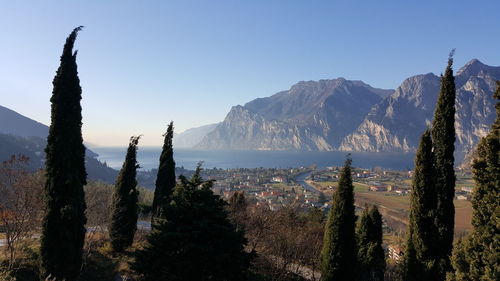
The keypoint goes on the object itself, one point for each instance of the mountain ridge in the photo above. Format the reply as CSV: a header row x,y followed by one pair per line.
x,y
311,115
17,124
321,115
192,136
22,135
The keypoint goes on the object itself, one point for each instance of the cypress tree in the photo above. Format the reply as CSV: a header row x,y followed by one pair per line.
x,y
338,256
476,258
195,241
64,221
124,205
165,180
420,257
443,137
371,256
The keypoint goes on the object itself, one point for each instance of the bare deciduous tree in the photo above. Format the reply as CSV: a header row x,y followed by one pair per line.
x,y
98,198
287,242
20,203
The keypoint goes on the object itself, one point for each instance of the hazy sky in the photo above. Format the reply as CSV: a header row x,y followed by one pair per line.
x,y
144,63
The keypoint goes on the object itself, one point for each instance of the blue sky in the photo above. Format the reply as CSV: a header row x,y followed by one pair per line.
x,y
144,63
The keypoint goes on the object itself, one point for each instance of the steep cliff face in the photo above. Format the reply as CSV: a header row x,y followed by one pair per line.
x,y
312,115
396,123
348,115
244,129
475,105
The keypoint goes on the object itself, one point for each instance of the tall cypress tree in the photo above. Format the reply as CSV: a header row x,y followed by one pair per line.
x,y
64,222
338,256
443,137
476,258
421,248
371,256
124,212
165,180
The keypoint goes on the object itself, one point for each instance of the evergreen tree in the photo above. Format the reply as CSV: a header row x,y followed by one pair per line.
x,y
443,137
371,256
64,222
477,257
196,241
421,257
338,256
165,180
124,205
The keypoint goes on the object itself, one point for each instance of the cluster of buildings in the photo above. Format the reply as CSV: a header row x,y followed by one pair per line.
x,y
381,187
273,188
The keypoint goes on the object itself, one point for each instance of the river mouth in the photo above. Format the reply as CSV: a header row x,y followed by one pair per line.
x,y
301,179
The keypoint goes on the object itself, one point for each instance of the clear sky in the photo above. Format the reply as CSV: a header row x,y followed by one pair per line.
x,y
144,63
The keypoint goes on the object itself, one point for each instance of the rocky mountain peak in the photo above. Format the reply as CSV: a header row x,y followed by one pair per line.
x,y
311,115
350,115
396,123
475,67
318,86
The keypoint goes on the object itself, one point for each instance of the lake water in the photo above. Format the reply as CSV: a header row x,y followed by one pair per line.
x,y
148,158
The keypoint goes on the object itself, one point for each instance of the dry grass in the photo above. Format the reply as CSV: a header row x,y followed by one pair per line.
x,y
463,216
324,186
395,207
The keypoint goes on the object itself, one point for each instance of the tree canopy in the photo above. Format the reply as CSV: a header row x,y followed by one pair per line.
x,y
338,255
196,240
64,222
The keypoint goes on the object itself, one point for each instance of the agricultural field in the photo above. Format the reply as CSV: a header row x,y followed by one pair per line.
x,y
395,207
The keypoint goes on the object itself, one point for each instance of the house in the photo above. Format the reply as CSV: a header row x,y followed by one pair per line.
x,y
467,189
395,252
264,194
279,179
378,188
401,192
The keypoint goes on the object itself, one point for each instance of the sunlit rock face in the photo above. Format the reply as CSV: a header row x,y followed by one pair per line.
x,y
348,115
396,123
312,115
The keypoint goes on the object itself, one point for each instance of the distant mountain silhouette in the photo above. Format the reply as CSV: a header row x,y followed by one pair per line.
x,y
22,135
193,136
16,124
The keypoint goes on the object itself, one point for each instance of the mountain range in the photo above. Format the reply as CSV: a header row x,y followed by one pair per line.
x,y
22,135
322,115
13,123
346,115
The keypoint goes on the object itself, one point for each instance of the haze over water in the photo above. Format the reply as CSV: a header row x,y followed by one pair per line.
x,y
148,158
